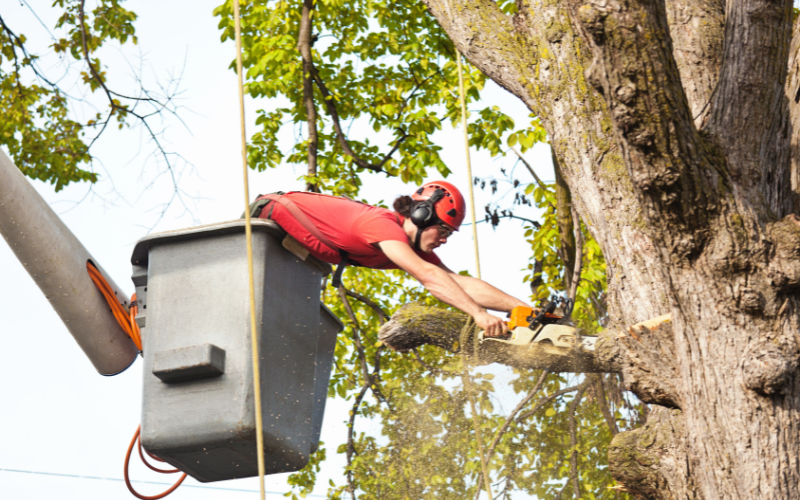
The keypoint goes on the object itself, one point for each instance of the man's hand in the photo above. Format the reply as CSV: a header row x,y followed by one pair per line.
x,y
491,325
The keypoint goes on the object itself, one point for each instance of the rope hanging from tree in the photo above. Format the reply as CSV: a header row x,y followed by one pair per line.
x,y
470,324
249,238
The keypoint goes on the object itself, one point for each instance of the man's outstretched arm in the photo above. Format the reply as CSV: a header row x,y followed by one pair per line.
x,y
441,285
485,294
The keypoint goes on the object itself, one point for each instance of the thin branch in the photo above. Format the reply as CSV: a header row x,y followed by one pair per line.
x,y
369,379
530,169
573,439
600,396
511,417
561,491
576,274
428,367
351,448
356,336
17,42
116,106
513,414
545,400
372,305
345,145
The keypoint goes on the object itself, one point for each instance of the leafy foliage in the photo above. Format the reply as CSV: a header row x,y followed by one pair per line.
x,y
41,128
389,65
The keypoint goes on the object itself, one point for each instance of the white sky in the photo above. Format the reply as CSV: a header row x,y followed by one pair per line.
x,y
58,415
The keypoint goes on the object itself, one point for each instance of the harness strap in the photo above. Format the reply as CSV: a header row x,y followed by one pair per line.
x,y
264,200
309,226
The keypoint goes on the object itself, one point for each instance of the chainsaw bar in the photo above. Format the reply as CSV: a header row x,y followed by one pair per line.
x,y
557,335
529,327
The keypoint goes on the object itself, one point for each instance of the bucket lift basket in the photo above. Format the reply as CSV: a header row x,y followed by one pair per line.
x,y
198,396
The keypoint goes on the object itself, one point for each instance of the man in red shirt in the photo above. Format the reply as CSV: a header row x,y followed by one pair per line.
x,y
341,231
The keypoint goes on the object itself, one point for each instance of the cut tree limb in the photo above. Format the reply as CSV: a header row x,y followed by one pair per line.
x,y
415,324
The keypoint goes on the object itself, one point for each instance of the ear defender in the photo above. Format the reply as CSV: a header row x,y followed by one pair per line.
x,y
424,214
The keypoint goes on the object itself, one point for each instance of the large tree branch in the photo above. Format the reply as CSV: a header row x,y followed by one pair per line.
x,y
674,171
487,38
750,96
644,354
651,461
696,28
415,324
792,90
565,219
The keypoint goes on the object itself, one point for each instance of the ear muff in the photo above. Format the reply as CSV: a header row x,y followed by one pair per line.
x,y
424,214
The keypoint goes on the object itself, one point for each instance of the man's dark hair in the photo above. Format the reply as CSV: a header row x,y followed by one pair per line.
x,y
402,205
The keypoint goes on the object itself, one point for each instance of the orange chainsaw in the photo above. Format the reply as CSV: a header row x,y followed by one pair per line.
x,y
528,326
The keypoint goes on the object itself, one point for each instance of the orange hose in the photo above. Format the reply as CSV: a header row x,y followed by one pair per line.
x,y
128,480
127,321
152,467
123,317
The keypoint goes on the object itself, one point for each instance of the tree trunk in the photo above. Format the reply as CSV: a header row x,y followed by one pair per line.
x,y
674,126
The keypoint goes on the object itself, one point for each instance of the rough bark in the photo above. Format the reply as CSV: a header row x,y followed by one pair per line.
x,y
696,28
651,460
566,229
676,122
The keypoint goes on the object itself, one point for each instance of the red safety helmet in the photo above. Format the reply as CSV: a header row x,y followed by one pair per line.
x,y
449,206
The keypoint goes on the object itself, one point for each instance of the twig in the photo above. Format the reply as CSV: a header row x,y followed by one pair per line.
x,y
573,439
530,169
535,224
345,145
510,418
372,305
542,402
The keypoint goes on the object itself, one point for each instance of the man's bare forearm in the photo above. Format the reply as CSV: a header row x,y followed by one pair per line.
x,y
444,287
486,295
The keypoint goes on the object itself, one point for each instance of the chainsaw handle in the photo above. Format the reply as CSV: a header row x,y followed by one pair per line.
x,y
547,309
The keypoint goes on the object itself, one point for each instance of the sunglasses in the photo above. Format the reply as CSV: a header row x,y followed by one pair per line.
x,y
445,231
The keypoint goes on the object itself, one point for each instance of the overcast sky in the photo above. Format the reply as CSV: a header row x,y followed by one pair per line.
x,y
60,419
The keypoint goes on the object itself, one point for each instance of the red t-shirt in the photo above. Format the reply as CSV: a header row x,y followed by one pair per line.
x,y
352,226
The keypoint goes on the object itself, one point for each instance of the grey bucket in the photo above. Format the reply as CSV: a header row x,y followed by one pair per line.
x,y
197,400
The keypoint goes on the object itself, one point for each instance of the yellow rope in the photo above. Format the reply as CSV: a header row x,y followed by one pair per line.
x,y
471,396
249,238
468,326
469,169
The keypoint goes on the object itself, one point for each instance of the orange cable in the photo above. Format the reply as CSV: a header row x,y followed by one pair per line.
x,y
152,467
128,480
127,321
118,310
